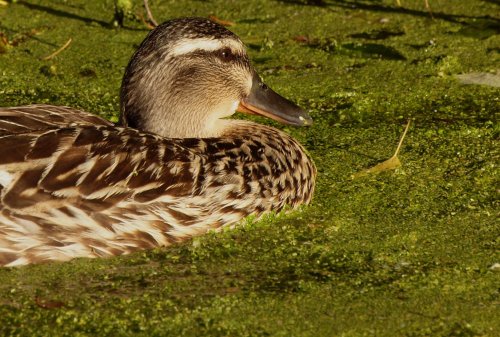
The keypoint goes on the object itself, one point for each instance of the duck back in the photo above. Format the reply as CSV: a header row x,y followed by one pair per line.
x,y
91,191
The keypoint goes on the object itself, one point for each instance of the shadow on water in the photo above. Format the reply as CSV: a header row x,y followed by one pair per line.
x,y
495,2
481,29
377,35
24,35
58,12
356,49
376,6
373,50
257,20
319,3
61,13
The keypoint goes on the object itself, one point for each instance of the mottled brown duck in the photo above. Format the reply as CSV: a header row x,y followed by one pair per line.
x,y
75,185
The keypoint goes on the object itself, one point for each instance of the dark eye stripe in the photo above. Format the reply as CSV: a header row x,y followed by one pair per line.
x,y
225,55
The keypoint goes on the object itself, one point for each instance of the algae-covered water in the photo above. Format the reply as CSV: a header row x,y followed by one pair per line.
x,y
407,252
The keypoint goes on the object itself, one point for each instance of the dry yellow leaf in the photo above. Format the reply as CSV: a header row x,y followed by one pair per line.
x,y
389,164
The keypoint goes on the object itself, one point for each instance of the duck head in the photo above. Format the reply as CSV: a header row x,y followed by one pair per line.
x,y
191,73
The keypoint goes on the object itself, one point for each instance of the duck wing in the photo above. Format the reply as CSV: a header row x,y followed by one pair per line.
x,y
34,117
90,167
89,191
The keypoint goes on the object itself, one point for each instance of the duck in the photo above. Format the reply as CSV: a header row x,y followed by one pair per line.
x,y
74,185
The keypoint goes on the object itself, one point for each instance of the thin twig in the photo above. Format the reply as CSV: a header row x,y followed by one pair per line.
x,y
150,15
402,138
48,57
429,8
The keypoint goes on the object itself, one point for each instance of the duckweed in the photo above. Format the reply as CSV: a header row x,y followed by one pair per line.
x,y
407,252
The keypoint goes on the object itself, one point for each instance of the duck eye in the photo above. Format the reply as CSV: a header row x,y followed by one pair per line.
x,y
226,54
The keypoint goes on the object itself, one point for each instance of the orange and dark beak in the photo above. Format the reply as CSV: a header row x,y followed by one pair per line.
x,y
263,101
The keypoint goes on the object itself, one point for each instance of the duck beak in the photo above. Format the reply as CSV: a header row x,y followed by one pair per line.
x,y
263,101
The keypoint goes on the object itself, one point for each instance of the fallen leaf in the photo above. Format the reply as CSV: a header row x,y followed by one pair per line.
x,y
146,23
492,80
48,304
220,21
301,38
389,164
5,45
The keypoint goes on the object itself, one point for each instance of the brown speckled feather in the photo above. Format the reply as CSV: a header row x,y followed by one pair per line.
x,y
88,191
34,117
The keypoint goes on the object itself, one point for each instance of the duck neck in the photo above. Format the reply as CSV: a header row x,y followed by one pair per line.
x,y
172,119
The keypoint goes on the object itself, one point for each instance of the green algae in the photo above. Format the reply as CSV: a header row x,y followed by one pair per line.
x,y
403,253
